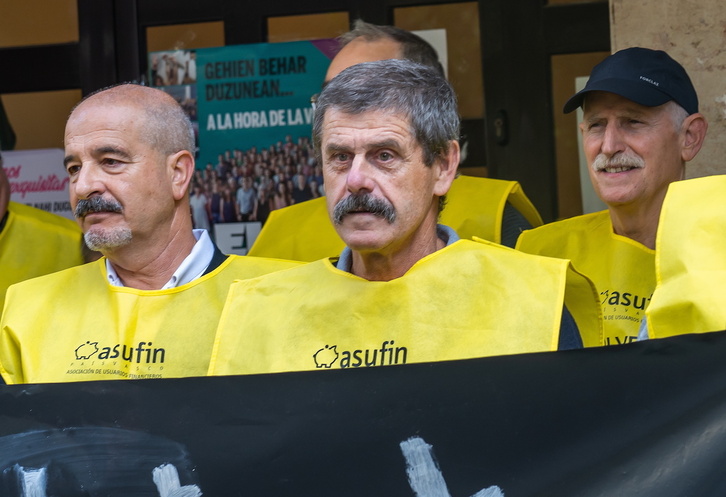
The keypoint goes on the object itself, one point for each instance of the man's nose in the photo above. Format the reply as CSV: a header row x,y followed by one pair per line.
x,y
360,175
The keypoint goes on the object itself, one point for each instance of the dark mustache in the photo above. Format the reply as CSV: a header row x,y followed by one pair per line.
x,y
364,202
95,204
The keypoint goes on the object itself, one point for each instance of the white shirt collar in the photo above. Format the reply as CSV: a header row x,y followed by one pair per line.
x,y
191,268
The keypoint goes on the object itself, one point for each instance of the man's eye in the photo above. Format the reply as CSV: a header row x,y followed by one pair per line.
x,y
72,170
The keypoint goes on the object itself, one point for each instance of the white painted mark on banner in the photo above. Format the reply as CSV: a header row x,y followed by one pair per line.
x,y
166,479
34,481
424,474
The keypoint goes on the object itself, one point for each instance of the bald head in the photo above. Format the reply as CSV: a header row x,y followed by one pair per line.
x,y
371,42
361,50
165,126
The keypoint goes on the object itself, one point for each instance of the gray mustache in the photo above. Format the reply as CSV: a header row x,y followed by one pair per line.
x,y
601,162
367,203
95,204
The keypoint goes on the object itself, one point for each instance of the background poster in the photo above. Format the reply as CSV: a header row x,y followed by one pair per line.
x,y
250,105
37,178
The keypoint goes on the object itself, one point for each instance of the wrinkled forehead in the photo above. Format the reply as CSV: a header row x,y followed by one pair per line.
x,y
376,114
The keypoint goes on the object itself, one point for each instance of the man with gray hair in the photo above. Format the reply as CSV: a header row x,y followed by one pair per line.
x,y
640,127
149,307
493,209
386,135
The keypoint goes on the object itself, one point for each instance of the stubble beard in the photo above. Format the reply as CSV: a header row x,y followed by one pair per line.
x,y
100,239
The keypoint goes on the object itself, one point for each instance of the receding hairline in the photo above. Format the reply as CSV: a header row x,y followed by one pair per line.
x,y
127,95
163,121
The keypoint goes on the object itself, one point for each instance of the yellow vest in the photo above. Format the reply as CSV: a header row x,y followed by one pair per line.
x,y
690,294
475,207
34,243
469,299
622,269
74,326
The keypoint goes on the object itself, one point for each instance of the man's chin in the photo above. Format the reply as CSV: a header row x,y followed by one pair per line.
x,y
102,240
364,240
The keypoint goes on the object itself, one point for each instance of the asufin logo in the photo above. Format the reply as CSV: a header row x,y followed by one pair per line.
x,y
326,357
86,350
386,355
142,353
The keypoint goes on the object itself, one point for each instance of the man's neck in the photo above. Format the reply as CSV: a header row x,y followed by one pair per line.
x,y
389,265
150,266
639,223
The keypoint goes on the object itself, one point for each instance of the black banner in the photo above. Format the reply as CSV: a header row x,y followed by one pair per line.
x,y
646,419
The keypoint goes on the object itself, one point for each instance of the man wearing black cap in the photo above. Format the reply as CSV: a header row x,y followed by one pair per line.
x,y
641,125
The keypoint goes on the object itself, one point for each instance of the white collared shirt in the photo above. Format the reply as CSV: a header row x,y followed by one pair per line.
x,y
191,268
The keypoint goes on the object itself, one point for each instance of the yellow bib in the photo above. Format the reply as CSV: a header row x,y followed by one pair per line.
x,y
466,300
690,296
34,243
475,207
74,326
622,269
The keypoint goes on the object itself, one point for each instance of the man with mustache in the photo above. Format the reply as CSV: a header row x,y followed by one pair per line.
x,y
405,289
493,209
641,125
150,306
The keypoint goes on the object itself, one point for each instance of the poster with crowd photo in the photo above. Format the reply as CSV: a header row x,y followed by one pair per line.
x,y
250,105
643,419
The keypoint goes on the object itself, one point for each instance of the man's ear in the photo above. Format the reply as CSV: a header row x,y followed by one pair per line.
x,y
181,170
447,166
694,129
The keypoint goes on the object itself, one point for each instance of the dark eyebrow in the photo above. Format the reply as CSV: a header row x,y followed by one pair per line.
x,y
334,147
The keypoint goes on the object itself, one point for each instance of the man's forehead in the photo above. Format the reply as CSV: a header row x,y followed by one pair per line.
x,y
379,120
383,116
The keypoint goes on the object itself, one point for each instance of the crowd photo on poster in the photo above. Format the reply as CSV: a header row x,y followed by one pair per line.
x,y
245,185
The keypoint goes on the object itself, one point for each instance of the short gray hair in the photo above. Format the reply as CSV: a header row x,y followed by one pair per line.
x,y
166,126
418,92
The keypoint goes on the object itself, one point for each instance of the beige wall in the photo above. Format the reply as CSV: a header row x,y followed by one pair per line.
x,y
694,33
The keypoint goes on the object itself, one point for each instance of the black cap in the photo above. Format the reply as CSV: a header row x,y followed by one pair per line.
x,y
647,77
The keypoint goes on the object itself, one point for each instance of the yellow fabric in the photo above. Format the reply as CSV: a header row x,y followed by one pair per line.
x,y
34,243
300,232
304,232
475,207
690,294
469,299
74,326
622,269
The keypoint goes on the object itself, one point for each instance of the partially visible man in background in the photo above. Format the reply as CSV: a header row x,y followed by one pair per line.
x,y
33,242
